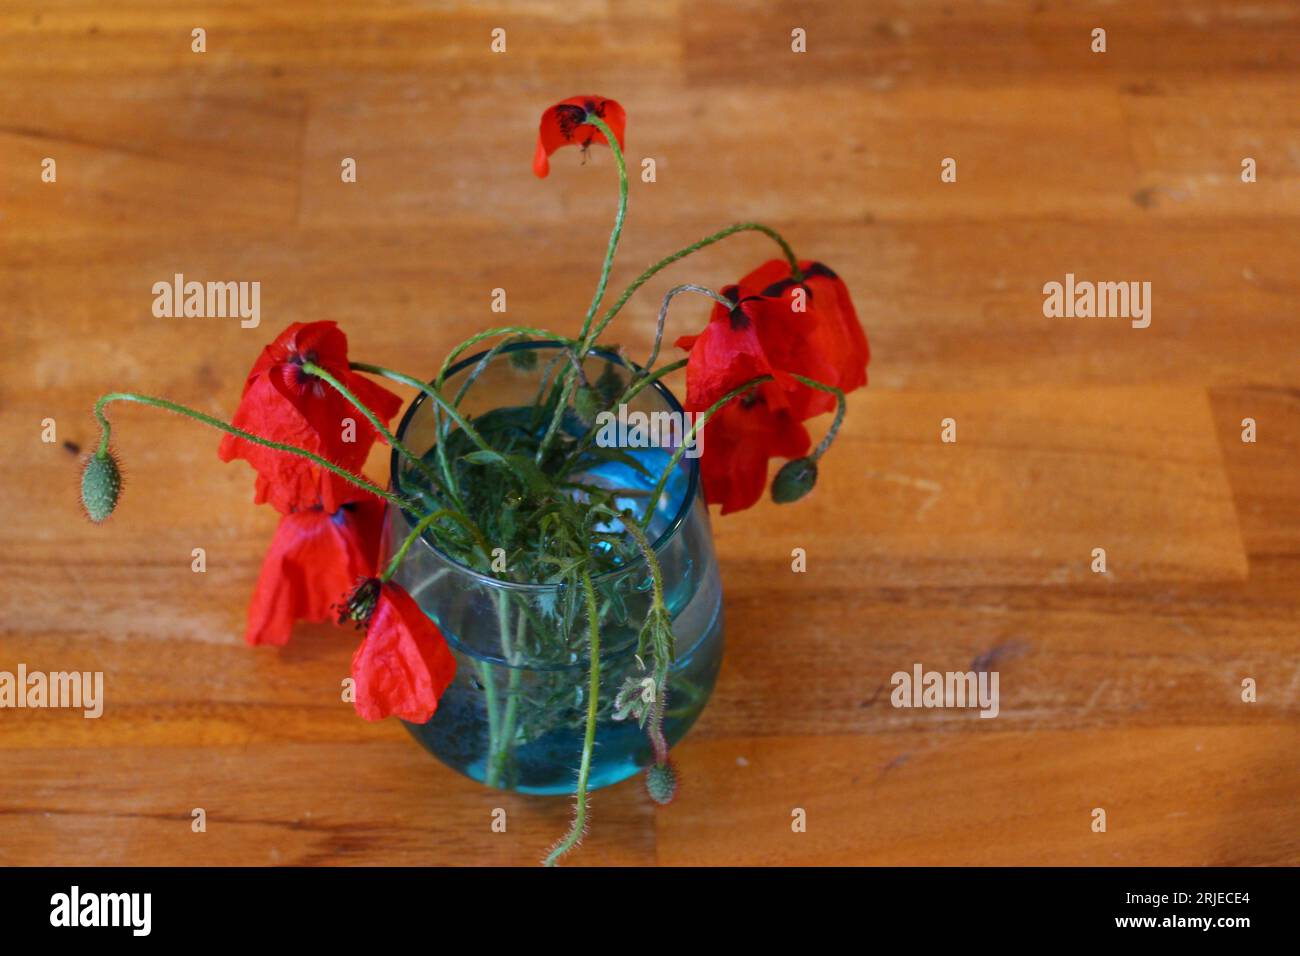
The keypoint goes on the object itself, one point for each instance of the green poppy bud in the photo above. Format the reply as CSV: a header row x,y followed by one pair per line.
x,y
661,782
794,480
101,483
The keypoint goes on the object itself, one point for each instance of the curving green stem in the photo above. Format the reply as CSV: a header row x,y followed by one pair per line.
x,y
566,393
579,825
501,741
616,232
423,525
311,368
659,624
599,294
651,559
841,406
478,337
643,381
672,293
682,253
106,430
452,412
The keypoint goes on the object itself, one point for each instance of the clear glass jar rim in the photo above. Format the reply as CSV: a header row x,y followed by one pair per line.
x,y
679,519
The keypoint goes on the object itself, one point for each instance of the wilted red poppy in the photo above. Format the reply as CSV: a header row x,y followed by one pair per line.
x,y
284,403
566,123
727,354
403,664
314,560
742,437
823,317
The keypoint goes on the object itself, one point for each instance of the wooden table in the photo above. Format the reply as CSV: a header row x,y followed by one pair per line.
x,y
1120,691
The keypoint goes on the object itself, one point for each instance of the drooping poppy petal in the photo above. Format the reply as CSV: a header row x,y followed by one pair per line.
x,y
403,664
283,403
741,439
565,124
792,342
314,559
821,311
726,355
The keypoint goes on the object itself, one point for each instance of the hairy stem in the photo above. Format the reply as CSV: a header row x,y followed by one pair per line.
x,y
610,249
510,717
579,825
570,383
311,368
682,253
659,623
841,406
616,232
422,525
106,431
495,731
436,395
478,337
663,313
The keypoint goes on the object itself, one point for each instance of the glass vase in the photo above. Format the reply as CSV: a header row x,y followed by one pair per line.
x,y
515,715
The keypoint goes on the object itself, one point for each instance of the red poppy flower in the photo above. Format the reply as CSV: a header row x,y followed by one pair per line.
x,y
403,664
728,353
565,123
284,403
827,325
742,437
314,560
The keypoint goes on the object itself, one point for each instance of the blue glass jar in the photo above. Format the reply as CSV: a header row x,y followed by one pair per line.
x,y
514,717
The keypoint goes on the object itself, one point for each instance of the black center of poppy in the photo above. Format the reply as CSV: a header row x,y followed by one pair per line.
x,y
298,360
739,319
569,118
778,289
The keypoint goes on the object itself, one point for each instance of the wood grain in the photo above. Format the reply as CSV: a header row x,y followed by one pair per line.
x,y
1120,691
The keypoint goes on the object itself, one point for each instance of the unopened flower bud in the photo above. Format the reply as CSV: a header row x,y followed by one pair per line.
x,y
661,782
794,480
101,484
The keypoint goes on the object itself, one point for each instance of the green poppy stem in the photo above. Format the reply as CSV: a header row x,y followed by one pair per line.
x,y
672,293
664,263
423,525
659,623
444,405
617,231
841,406
478,337
601,284
633,389
579,825
311,368
106,431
